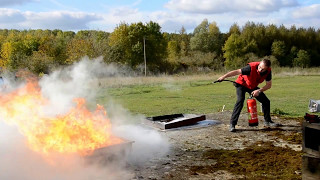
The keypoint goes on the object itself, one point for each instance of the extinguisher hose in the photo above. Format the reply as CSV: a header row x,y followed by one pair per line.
x,y
224,80
251,96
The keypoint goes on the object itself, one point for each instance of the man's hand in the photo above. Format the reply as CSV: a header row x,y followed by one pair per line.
x,y
221,78
255,93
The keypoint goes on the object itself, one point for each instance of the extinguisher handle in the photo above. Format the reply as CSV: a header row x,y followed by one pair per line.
x,y
251,96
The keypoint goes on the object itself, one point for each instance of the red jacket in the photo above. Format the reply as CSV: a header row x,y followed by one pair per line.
x,y
254,79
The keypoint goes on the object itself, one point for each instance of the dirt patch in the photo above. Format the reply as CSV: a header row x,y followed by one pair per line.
x,y
262,160
291,137
215,153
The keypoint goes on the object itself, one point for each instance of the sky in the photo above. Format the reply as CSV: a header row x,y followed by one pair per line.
x,y
171,15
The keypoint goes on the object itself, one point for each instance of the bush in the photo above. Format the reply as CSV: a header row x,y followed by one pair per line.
x,y
302,59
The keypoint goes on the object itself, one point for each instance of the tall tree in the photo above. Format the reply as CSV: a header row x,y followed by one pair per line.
x,y
234,29
302,59
207,38
78,48
184,42
119,44
279,51
234,48
127,45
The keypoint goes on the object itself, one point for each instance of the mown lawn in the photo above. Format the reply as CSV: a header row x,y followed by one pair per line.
x,y
289,95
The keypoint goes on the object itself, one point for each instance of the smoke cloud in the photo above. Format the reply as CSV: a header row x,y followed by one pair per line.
x,y
148,143
19,162
60,87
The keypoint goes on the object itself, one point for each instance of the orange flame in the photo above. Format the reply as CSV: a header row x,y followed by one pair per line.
x,y
78,131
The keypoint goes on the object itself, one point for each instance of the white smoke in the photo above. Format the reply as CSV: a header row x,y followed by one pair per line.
x,y
19,162
148,143
60,88
171,86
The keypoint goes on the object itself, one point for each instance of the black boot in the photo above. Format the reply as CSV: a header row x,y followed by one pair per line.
x,y
232,128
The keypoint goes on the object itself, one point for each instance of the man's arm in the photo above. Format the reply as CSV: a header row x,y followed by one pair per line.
x,y
268,85
230,74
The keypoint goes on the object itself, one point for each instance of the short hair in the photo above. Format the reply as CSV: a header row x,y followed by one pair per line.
x,y
266,62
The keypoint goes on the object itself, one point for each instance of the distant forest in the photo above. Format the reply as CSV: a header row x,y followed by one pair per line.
x,y
41,51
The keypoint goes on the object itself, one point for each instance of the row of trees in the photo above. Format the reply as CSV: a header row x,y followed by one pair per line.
x,y
41,50
206,48
286,47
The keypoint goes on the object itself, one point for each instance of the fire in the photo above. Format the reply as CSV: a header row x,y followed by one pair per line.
x,y
78,131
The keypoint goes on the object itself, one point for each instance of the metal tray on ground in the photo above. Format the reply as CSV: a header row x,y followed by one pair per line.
x,y
173,120
116,153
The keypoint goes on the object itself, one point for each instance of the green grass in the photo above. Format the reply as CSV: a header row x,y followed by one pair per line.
x,y
289,95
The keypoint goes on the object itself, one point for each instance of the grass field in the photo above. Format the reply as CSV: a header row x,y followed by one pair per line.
x,y
151,96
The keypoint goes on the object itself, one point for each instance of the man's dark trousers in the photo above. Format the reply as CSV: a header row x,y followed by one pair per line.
x,y
262,98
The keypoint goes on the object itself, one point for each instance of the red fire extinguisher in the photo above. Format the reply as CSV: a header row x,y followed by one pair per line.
x,y
252,111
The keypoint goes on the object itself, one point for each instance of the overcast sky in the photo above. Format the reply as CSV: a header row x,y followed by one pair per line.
x,y
105,15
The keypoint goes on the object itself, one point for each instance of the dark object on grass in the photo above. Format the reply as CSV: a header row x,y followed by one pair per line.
x,y
312,118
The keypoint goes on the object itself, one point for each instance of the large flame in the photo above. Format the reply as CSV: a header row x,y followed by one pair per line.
x,y
78,131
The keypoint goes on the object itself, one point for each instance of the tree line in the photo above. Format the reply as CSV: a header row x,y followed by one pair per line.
x,y
207,48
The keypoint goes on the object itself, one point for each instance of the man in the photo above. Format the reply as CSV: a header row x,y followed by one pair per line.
x,y
248,80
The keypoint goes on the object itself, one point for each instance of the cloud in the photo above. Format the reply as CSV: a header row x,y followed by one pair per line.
x,y
60,20
120,15
177,13
124,11
10,18
223,6
312,11
137,2
5,3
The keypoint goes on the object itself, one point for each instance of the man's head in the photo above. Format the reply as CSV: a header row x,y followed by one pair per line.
x,y
264,65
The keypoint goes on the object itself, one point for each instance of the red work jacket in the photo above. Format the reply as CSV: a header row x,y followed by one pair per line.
x,y
254,79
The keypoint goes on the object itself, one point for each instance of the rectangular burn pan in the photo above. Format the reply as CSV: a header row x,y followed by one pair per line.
x,y
173,120
115,154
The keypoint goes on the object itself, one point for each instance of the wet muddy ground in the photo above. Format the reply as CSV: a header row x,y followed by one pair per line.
x,y
213,152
